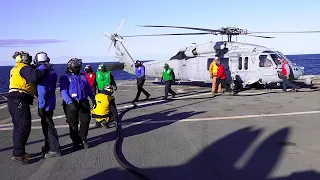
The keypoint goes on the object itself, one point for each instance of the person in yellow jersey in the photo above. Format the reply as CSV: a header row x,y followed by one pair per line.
x,y
105,110
22,89
213,75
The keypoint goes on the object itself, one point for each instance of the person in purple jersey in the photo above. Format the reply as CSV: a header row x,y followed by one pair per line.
x,y
75,89
46,92
140,75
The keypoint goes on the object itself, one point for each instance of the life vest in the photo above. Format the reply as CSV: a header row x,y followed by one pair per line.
x,y
18,83
221,73
78,87
103,79
91,78
167,76
101,111
284,71
213,68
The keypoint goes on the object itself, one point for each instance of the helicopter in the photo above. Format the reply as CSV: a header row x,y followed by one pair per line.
x,y
245,64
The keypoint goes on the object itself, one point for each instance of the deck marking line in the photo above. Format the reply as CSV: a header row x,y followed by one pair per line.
x,y
191,119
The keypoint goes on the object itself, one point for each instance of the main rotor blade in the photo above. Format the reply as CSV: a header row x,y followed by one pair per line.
x,y
174,34
182,27
286,32
120,25
106,34
110,46
260,36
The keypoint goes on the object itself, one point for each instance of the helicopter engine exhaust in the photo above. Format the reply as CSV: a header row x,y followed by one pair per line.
x,y
201,49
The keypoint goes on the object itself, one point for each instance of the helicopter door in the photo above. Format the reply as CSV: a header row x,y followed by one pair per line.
x,y
266,65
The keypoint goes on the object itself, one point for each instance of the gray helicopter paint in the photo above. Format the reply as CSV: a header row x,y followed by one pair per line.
x,y
195,66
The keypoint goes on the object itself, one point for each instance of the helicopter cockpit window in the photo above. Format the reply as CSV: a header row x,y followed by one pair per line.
x,y
264,61
276,58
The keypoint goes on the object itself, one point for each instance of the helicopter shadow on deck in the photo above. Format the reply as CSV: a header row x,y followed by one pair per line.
x,y
217,161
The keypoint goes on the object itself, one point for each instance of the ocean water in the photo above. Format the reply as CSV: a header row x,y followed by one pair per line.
x,y
310,62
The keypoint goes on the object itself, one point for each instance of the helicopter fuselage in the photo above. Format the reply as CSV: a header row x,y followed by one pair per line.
x,y
244,63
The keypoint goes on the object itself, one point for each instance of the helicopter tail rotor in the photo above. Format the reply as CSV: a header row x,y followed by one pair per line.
x,y
114,37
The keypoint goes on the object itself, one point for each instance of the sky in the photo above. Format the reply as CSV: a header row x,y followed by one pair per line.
x,y
66,29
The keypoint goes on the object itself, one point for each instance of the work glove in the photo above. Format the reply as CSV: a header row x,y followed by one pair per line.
x,y
73,107
94,104
41,112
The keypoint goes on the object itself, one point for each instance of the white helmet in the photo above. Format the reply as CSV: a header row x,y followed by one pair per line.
x,y
41,57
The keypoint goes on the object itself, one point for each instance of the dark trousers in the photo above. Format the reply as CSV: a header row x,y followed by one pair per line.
x,y
50,133
223,84
168,89
287,82
21,119
82,113
140,83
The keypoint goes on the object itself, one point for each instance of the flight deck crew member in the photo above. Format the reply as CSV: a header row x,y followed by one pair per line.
x,y
22,88
221,78
46,92
168,77
105,110
104,78
213,75
140,75
286,76
75,89
91,76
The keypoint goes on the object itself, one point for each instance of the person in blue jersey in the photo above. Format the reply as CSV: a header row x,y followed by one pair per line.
x,y
140,76
46,88
75,89
22,89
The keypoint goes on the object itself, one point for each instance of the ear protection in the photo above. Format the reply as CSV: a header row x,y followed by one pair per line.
x,y
42,56
22,56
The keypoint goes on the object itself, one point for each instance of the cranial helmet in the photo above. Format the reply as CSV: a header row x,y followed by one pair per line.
x,y
102,67
88,68
41,57
22,56
74,64
109,89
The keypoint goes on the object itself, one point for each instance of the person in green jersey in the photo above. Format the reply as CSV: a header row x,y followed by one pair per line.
x,y
104,78
169,78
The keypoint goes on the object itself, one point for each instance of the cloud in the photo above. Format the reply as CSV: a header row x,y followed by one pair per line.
x,y
25,42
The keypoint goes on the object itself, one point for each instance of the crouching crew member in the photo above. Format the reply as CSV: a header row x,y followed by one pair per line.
x,y
105,110
168,77
46,87
75,89
22,88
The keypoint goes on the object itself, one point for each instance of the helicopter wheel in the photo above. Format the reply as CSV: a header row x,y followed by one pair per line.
x,y
233,86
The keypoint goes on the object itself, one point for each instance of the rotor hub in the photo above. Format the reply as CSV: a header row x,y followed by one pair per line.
x,y
233,31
